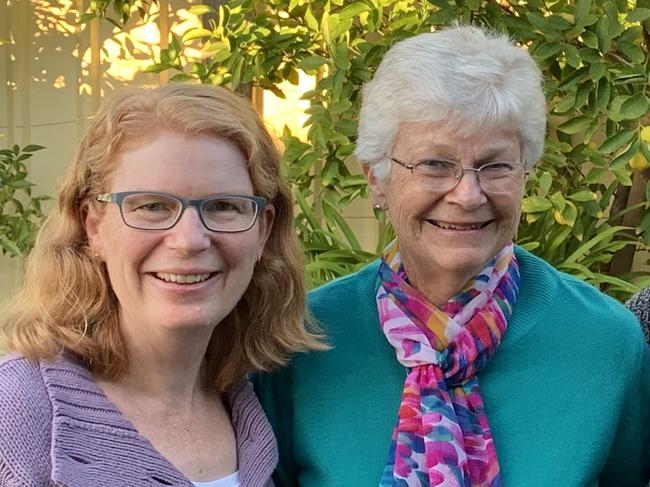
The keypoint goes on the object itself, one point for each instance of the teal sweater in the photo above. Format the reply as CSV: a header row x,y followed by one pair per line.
x,y
566,394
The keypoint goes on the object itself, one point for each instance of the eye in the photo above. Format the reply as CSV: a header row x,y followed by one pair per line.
x,y
154,206
148,203
498,168
436,167
228,205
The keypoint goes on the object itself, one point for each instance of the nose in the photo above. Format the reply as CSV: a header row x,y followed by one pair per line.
x,y
467,193
189,236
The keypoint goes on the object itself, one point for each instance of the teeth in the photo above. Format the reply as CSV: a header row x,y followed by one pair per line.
x,y
447,226
182,278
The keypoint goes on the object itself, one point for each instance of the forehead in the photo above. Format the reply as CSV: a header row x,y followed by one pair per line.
x,y
425,139
190,165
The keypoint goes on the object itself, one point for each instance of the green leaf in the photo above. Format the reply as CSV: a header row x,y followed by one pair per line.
x,y
590,39
572,55
638,15
584,248
330,171
200,9
346,127
584,195
566,103
333,214
547,50
21,184
603,33
538,21
575,125
603,94
545,182
353,10
181,77
311,21
312,62
582,9
632,52
197,33
32,148
634,107
10,248
597,71
219,51
535,204
340,55
616,141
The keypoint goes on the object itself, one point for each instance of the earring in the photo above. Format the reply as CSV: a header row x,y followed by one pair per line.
x,y
378,207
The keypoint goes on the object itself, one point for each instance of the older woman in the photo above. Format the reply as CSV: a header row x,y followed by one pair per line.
x,y
459,359
151,291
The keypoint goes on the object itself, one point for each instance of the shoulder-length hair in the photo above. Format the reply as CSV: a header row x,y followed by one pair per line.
x,y
66,303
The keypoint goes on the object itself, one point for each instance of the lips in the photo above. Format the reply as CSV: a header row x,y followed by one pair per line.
x,y
183,278
460,226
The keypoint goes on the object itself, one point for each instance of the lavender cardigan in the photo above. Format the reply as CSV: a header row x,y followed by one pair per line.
x,y
58,429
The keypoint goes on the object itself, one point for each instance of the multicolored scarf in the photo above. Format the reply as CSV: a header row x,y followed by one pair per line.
x,y
442,436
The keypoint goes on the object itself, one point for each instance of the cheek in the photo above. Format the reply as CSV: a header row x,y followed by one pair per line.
x,y
510,212
239,252
404,202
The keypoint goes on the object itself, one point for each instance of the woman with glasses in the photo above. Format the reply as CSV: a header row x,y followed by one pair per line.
x,y
458,358
151,292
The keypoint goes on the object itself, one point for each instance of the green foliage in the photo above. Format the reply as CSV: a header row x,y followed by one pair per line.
x,y
123,9
593,54
20,212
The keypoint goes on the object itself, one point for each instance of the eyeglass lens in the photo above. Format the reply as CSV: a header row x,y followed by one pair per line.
x,y
154,211
494,177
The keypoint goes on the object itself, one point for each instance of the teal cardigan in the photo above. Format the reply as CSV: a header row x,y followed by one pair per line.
x,y
566,393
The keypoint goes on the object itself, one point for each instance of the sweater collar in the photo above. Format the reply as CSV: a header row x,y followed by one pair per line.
x,y
92,442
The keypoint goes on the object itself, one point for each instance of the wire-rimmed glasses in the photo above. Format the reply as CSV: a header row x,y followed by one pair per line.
x,y
493,177
147,210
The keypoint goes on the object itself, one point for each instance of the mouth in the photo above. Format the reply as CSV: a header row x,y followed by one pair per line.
x,y
460,226
183,278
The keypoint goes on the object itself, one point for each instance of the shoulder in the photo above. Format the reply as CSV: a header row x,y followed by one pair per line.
x,y
574,305
21,387
25,421
352,289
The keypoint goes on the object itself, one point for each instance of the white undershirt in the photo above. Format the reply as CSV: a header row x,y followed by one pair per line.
x,y
231,480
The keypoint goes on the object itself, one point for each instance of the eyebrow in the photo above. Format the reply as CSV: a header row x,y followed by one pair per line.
x,y
444,151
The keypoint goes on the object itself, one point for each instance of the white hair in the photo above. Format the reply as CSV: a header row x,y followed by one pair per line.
x,y
463,76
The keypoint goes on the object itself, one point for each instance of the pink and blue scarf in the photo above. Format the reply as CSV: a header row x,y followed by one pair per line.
x,y
442,436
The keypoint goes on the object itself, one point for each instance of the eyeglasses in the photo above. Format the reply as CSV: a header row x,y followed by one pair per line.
x,y
161,211
493,177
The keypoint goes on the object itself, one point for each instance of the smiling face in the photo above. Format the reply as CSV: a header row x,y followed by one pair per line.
x,y
186,276
447,238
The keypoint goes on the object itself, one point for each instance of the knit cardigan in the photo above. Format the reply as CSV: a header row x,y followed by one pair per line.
x,y
567,392
57,428
639,304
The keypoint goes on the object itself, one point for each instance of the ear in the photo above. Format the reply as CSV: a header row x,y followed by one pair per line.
x,y
377,186
91,223
266,219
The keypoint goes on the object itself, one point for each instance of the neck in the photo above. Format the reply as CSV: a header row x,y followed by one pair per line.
x,y
165,367
439,289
